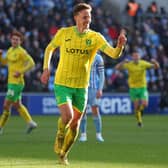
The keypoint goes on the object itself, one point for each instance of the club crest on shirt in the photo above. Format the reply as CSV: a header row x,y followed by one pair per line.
x,y
88,42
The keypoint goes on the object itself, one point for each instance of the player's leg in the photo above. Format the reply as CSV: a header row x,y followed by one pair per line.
x,y
98,123
95,102
144,99
83,124
60,135
9,99
83,127
137,112
63,98
134,95
143,105
79,105
23,111
66,112
70,136
143,102
5,114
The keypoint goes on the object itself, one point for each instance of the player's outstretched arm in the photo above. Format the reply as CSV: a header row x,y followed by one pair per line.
x,y
119,66
116,52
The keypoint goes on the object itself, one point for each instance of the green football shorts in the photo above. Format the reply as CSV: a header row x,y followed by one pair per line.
x,y
138,94
14,92
76,96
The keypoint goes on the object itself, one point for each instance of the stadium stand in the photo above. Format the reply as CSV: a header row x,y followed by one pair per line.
x,y
40,21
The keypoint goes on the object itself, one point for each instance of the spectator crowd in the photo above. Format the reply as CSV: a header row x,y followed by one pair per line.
x,y
147,32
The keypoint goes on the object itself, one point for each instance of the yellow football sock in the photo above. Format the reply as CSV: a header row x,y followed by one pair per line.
x,y
4,118
138,116
61,126
60,136
69,139
24,113
141,109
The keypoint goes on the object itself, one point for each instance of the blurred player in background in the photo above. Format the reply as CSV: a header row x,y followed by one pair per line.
x,y
18,62
78,46
95,91
137,82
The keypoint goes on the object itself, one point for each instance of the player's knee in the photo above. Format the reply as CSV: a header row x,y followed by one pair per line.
x,y
17,105
75,123
136,108
6,106
145,104
67,119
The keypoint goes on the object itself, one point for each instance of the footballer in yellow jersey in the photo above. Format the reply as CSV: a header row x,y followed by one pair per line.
x,y
77,52
137,82
78,46
18,62
137,73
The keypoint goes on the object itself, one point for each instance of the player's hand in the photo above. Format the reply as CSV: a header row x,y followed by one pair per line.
x,y
16,74
122,38
45,76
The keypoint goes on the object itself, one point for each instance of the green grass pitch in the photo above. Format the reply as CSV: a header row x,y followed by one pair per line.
x,y
125,146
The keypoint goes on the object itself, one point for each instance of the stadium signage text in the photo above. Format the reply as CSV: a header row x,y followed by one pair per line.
x,y
115,105
49,105
110,104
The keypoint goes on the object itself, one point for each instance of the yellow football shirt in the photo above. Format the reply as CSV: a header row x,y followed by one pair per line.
x,y
18,60
137,73
77,52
